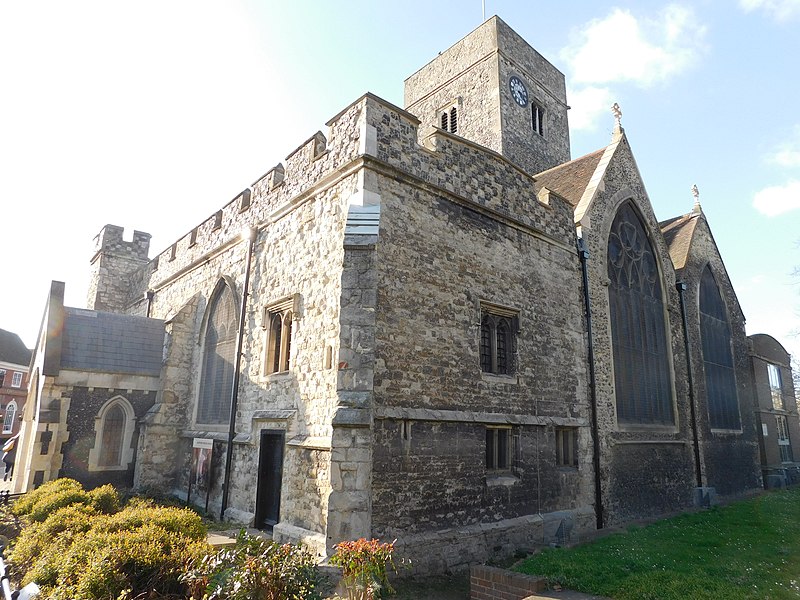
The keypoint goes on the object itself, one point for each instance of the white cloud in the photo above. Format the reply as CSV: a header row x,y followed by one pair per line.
x,y
788,153
643,51
587,105
776,200
623,48
780,10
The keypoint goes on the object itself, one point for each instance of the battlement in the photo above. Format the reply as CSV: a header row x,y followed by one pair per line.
x,y
372,128
110,240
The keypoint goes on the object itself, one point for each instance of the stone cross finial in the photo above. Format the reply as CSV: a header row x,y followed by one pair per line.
x,y
696,193
617,112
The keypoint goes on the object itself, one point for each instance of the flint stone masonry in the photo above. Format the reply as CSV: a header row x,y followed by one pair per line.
x,y
475,73
387,239
113,261
727,463
85,403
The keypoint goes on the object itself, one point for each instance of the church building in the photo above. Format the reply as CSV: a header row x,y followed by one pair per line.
x,y
427,324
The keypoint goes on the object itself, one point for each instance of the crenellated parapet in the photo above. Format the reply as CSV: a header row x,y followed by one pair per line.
x,y
376,135
110,241
114,262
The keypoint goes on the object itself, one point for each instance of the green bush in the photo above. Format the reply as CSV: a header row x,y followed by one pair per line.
x,y
88,547
255,569
105,499
139,512
60,527
47,506
106,565
25,505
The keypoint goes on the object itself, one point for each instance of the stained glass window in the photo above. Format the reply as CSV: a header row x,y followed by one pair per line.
x,y
641,365
218,358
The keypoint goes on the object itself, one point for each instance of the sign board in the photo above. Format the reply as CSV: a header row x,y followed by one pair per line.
x,y
200,471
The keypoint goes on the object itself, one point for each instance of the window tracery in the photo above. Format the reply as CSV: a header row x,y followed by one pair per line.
x,y
641,364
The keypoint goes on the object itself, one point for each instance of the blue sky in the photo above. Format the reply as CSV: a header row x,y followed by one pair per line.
x,y
151,115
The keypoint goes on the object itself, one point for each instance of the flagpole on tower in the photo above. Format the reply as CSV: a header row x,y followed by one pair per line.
x,y
483,9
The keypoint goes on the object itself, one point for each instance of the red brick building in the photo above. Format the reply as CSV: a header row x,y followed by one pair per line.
x,y
14,361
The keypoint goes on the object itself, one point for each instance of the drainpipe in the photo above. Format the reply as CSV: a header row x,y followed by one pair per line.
x,y
149,295
583,254
249,235
681,287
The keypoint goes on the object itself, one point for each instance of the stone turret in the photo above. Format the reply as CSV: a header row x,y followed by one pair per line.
x,y
113,262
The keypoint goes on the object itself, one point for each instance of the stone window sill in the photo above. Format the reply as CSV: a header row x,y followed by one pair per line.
x,y
492,378
501,479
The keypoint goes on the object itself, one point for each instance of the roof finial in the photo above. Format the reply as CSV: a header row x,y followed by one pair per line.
x,y
617,112
696,193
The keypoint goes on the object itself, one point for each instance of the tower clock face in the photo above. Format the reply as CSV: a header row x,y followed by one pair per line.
x,y
518,91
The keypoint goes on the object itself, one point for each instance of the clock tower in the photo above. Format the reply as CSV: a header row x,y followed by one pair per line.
x,y
494,89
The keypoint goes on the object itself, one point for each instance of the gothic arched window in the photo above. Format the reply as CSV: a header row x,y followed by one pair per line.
x,y
219,349
641,364
111,440
723,406
114,427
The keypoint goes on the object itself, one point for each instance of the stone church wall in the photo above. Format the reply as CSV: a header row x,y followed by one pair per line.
x,y
85,404
729,458
646,471
300,209
460,225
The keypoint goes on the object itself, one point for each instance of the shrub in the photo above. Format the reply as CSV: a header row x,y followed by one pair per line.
x,y
106,565
25,505
181,521
105,499
47,506
363,565
60,527
89,548
255,569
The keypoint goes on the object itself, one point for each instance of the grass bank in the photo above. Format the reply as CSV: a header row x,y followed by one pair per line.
x,y
749,549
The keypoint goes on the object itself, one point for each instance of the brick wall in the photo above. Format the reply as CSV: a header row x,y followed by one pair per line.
x,y
490,583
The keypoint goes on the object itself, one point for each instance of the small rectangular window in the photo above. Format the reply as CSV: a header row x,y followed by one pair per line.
x,y
784,445
774,377
775,385
567,447
16,380
2,377
537,118
498,449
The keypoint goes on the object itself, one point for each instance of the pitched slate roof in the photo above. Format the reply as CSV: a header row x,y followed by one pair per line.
x,y
677,234
570,179
111,343
12,350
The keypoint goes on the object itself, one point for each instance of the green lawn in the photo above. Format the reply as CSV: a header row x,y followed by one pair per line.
x,y
749,549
